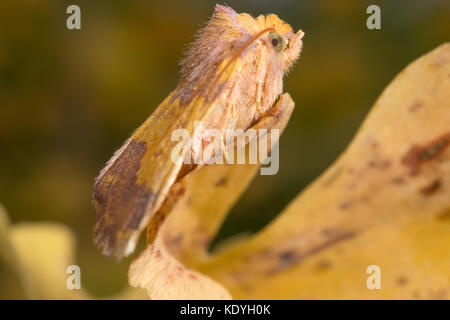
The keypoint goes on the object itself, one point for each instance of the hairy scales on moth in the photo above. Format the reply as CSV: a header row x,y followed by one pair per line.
x,y
231,78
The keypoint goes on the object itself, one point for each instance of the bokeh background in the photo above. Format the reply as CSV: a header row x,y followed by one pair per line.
x,y
68,99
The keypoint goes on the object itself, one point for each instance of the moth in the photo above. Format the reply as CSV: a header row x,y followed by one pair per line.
x,y
231,78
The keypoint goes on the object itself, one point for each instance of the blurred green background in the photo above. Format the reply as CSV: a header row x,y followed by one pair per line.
x,y
68,99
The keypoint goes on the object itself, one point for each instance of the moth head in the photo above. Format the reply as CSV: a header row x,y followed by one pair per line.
x,y
265,30
280,39
229,36
228,31
288,46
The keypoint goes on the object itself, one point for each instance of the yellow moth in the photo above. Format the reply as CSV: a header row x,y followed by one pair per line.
x,y
231,79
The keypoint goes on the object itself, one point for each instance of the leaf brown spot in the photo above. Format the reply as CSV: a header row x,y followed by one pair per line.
x,y
176,241
401,281
323,265
346,205
398,180
192,276
418,155
333,177
431,188
415,105
445,215
365,198
289,258
380,164
180,269
221,182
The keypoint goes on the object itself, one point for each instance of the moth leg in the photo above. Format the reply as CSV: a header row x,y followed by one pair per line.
x,y
223,183
275,118
278,116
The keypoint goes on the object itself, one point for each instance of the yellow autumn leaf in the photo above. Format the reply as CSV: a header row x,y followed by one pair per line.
x,y
46,250
385,202
34,258
14,282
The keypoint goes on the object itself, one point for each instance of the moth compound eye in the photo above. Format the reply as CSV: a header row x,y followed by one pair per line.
x,y
278,42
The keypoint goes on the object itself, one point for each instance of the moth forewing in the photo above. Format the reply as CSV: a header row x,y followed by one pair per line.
x,y
231,77
135,182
